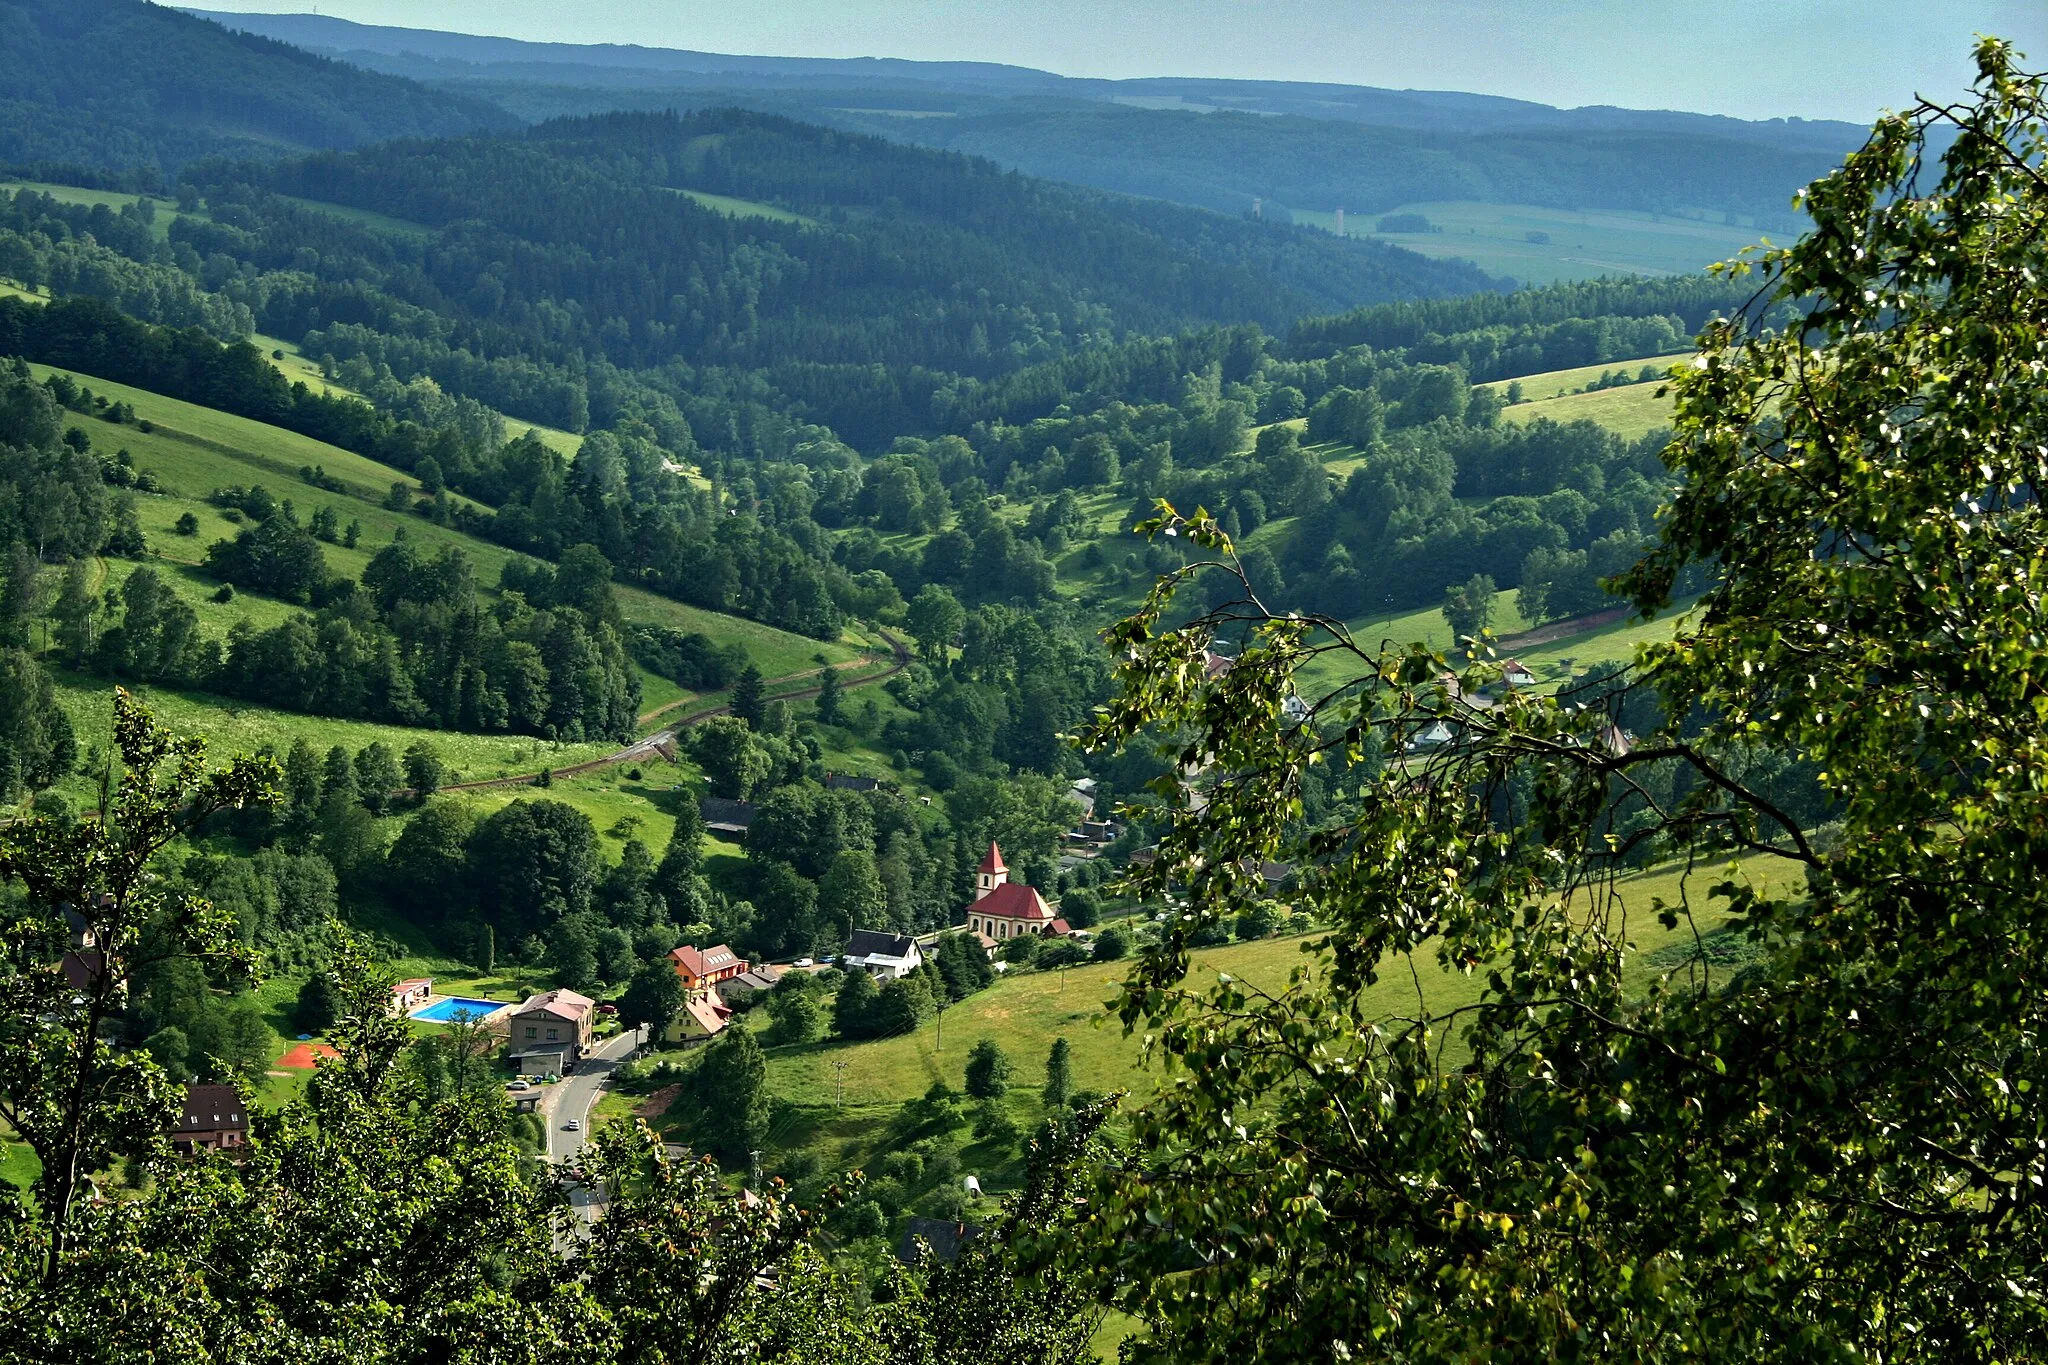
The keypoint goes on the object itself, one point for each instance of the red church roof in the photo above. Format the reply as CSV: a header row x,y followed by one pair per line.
x,y
1013,900
994,861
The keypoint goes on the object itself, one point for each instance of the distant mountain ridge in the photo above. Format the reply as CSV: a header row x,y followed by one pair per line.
x,y
440,55
123,85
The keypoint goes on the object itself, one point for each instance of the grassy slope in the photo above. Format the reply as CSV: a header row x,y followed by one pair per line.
x,y
1024,1014
1582,245
745,208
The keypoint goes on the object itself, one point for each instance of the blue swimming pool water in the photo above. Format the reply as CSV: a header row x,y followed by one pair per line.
x,y
445,1011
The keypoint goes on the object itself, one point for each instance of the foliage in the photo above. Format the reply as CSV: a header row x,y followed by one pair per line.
x,y
988,1071
1824,1154
653,997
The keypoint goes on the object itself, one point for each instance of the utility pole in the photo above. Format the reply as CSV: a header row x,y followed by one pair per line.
x,y
840,1098
754,1168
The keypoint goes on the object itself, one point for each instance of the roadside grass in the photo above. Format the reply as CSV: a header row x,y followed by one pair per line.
x,y
1582,245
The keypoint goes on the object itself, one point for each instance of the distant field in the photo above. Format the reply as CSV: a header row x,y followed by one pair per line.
x,y
166,210
1582,246
745,208
1631,411
377,222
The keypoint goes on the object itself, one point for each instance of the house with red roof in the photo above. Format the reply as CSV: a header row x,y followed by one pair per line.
x,y
702,970
1004,909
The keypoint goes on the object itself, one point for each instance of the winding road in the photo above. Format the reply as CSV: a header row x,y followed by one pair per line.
x,y
648,748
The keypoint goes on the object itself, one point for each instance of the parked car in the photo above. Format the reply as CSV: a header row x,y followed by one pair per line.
x,y
573,1126
521,1084
803,962
607,1008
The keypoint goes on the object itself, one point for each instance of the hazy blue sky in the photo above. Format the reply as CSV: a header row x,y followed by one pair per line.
x,y
1754,58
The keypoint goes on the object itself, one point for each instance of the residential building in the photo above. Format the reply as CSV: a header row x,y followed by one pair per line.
x,y
757,978
945,1238
885,957
556,1021
701,1019
411,993
211,1118
703,970
727,817
1004,909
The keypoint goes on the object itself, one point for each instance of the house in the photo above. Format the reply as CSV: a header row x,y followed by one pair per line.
x,y
211,1118
722,816
1059,928
411,993
851,782
1435,736
1002,908
1082,794
553,1022
701,1019
761,978
882,956
1515,675
1215,665
945,1238
702,971
988,945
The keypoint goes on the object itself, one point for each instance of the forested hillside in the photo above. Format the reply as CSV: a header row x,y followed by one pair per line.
x,y
135,90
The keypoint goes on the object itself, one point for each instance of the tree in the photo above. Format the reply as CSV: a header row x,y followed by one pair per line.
x,y
963,966
732,759
830,693
427,869
794,1018
1112,945
934,618
900,1007
1468,607
747,703
653,997
1059,1075
730,1095
532,862
988,1071
850,893
377,776
315,1010
64,1088
424,771
676,874
853,1012
1785,1151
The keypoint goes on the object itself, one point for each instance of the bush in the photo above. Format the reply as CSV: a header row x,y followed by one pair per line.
x,y
187,525
1021,949
888,1194
988,1071
864,1219
947,1203
991,1124
905,1168
224,593
1112,944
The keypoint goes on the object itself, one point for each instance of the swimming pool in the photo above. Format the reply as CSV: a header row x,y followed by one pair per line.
x,y
450,1008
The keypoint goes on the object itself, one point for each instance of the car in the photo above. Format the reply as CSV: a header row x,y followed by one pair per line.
x,y
521,1084
573,1126
607,1008
803,962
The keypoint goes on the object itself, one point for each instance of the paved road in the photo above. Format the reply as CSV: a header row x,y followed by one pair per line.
x,y
574,1098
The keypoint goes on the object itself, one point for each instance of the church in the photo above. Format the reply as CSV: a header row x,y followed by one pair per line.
x,y
1002,908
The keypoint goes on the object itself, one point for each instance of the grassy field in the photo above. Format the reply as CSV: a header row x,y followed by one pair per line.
x,y
1025,1013
745,208
1631,411
377,222
166,210
1581,246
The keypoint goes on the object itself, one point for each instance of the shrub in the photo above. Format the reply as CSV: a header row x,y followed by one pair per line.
x,y
988,1071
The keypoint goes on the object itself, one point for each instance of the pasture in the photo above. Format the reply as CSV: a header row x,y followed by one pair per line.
x,y
1581,245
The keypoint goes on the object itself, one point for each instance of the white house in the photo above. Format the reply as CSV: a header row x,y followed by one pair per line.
x,y
882,956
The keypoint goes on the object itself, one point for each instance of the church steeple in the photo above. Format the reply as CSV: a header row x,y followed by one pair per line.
x,y
992,873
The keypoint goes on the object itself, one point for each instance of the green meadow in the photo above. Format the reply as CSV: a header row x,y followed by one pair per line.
x,y
1580,245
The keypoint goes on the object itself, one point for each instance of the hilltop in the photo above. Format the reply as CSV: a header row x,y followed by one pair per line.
x,y
127,87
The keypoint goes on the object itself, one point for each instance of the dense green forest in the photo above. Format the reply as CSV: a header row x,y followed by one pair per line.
x,y
136,90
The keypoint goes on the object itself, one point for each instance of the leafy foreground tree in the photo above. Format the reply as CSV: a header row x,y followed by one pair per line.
x,y
1833,1153
389,1216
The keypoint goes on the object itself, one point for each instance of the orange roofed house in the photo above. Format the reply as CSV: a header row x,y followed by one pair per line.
x,y
703,970
1004,909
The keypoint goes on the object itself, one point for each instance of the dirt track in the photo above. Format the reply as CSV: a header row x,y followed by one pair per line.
x,y
648,748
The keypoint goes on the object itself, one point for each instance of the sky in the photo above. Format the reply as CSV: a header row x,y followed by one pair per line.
x,y
1844,59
